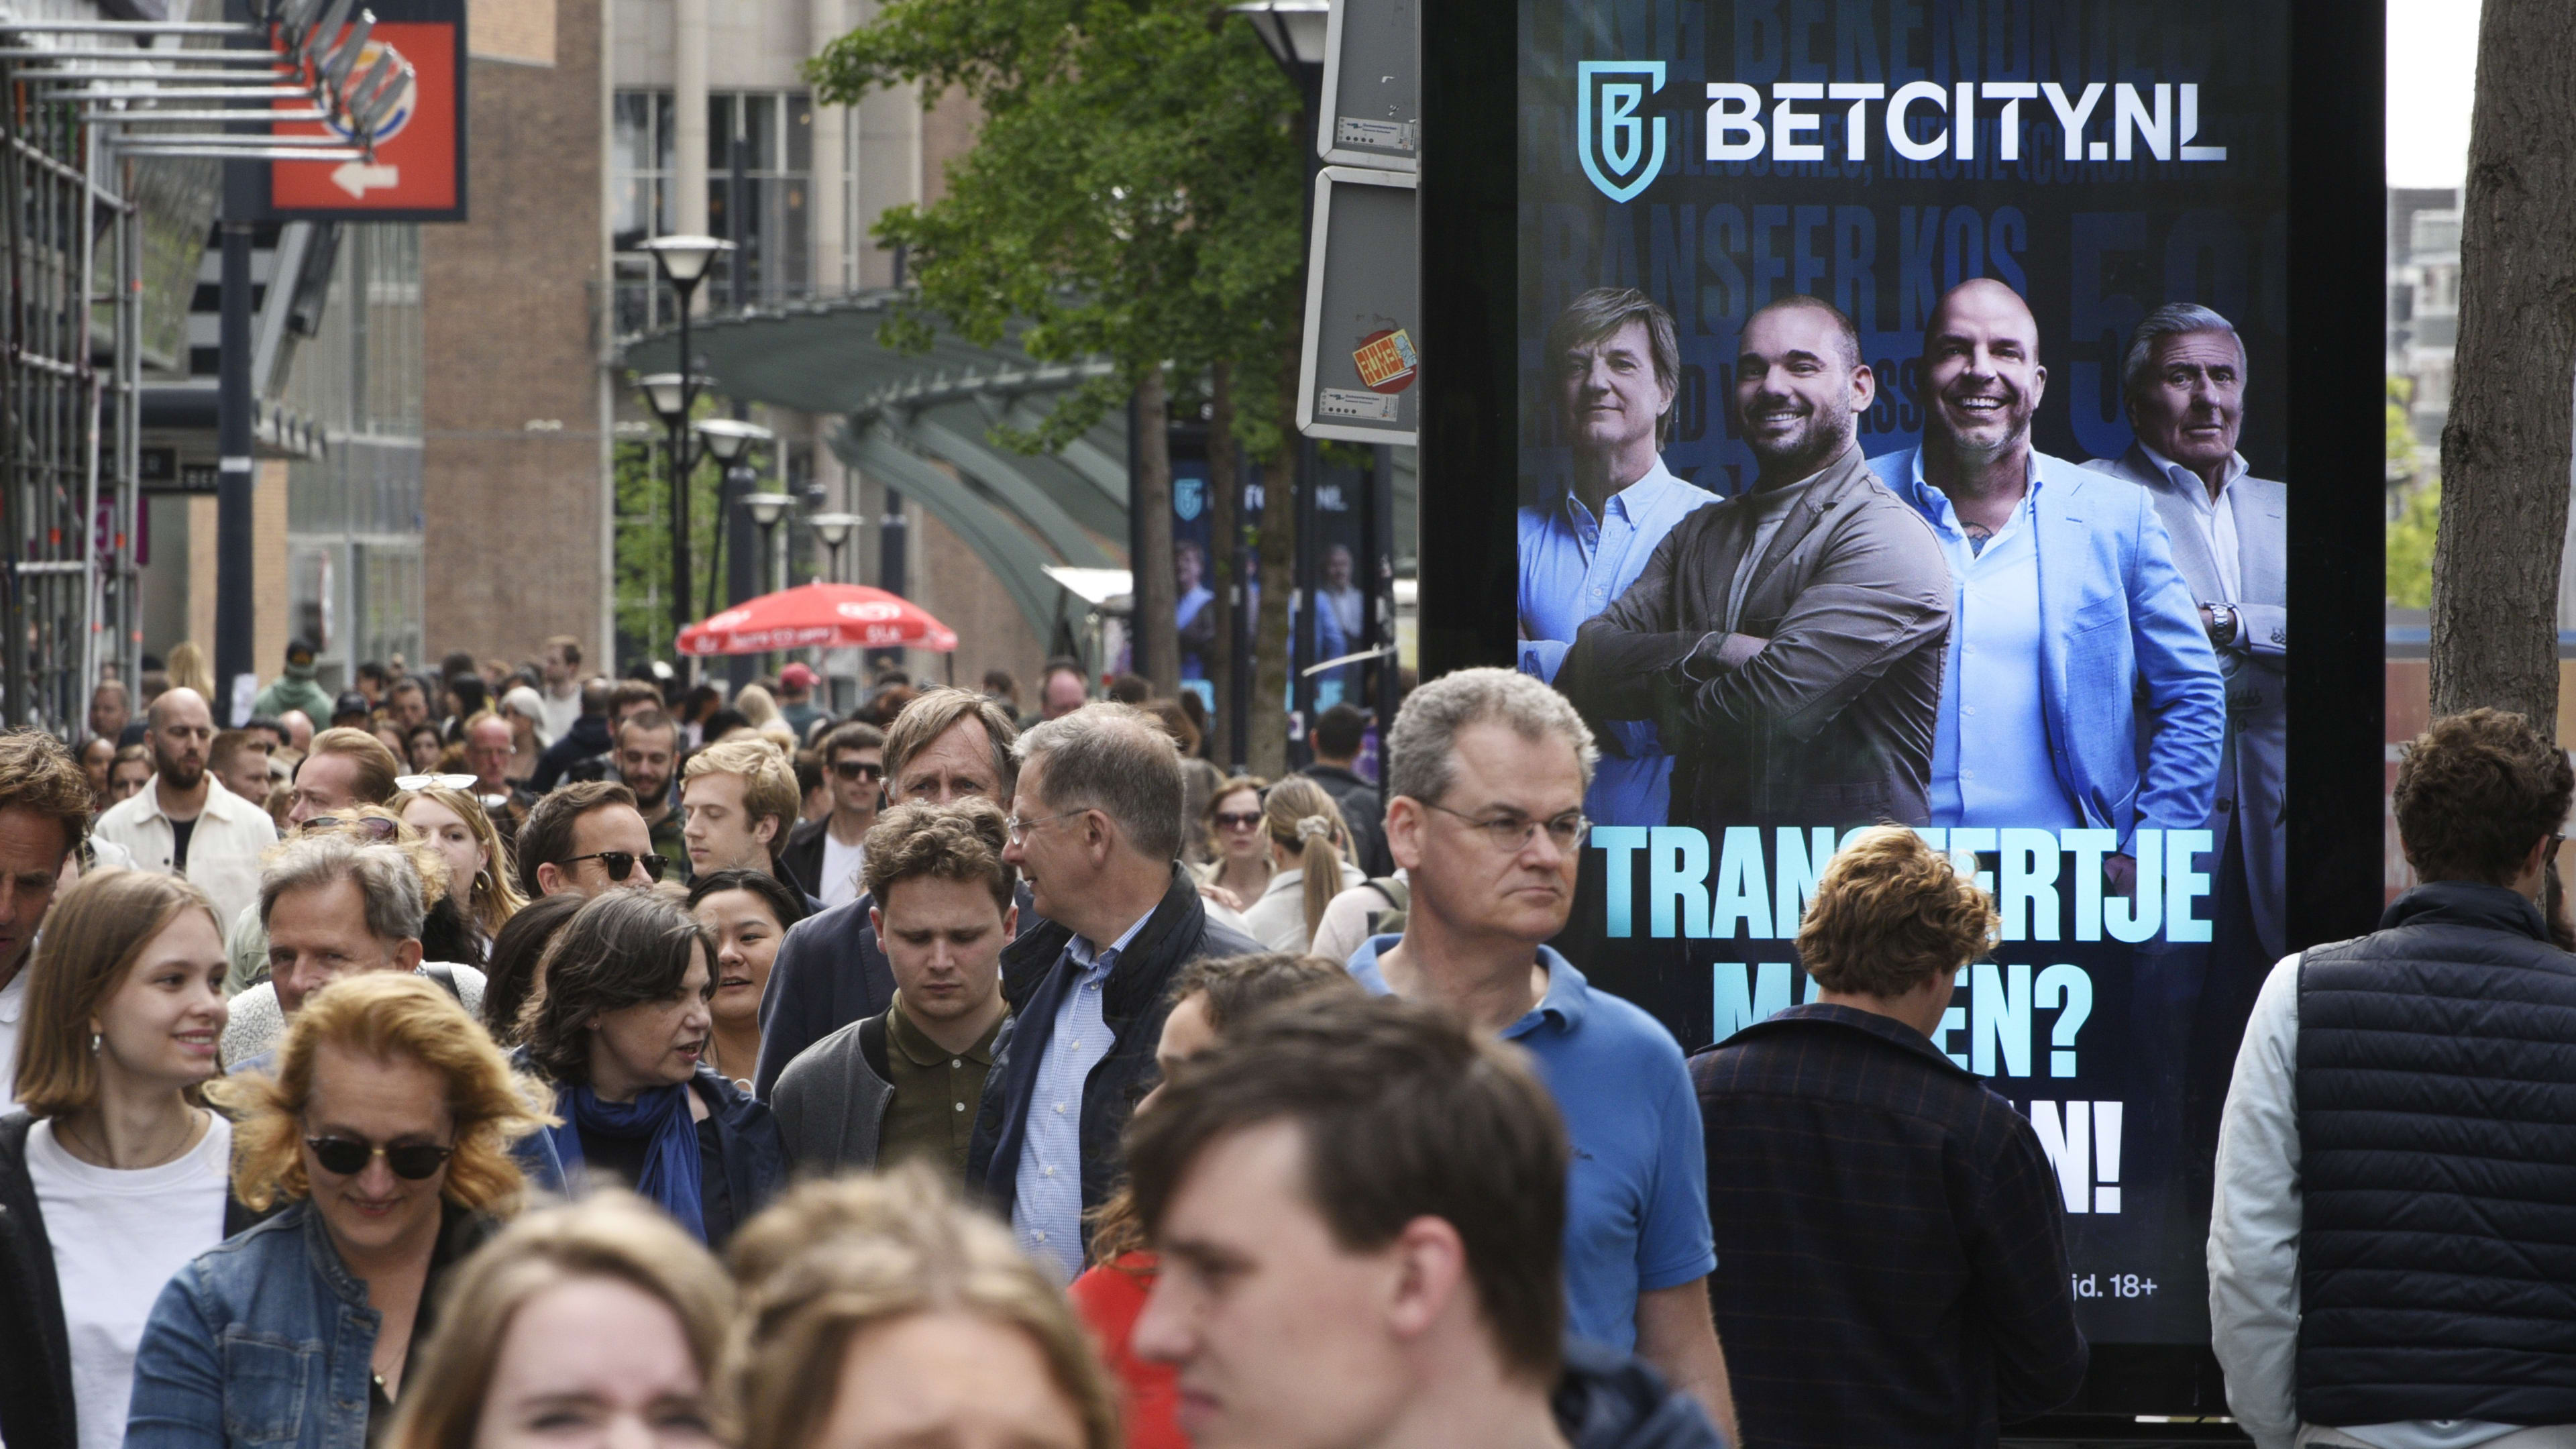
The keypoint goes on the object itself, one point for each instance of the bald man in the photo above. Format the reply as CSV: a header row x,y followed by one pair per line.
x,y
2067,604
1787,642
184,822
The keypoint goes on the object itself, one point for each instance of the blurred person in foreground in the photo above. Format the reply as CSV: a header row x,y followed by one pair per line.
x,y
1358,1207
747,912
906,1082
594,1323
112,1177
1894,1245
1211,1000
1096,828
384,1141
946,746
2388,1243
44,818
619,1028
1485,813
882,1311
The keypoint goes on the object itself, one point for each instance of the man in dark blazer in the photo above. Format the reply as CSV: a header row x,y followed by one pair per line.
x,y
1788,641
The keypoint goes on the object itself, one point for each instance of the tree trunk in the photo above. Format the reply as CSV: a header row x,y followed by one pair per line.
x,y
1158,644
1223,579
2505,447
1279,485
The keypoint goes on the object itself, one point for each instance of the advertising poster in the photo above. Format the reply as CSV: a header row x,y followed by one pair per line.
x,y
2030,258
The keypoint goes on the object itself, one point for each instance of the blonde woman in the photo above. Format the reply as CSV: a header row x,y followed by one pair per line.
x,y
188,669
385,1139
882,1310
479,871
112,1177
596,1323
526,712
1239,867
1310,851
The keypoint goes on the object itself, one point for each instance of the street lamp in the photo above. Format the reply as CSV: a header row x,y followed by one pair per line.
x,y
683,262
766,510
729,441
1293,31
834,529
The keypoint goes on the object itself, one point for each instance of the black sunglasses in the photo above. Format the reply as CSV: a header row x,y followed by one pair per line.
x,y
858,770
412,1161
619,864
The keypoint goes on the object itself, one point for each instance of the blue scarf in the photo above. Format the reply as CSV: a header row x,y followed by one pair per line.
x,y
670,1175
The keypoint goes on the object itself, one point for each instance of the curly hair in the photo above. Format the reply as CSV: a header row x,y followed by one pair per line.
x,y
623,949
1889,910
962,840
385,1015
38,774
2475,793
832,1259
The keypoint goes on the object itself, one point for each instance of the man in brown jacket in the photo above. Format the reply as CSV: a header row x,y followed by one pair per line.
x,y
1788,642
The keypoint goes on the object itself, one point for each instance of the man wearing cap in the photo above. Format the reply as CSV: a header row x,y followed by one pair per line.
x,y
796,701
295,688
351,711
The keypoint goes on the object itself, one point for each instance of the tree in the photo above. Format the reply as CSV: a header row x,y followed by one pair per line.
x,y
2505,449
1133,194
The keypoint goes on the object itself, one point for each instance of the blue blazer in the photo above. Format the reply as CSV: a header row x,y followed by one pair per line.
x,y
2117,624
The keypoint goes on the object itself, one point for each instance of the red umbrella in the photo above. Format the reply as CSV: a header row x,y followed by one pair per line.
x,y
835,616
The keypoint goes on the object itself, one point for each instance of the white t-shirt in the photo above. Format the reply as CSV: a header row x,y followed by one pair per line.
x,y
841,867
13,1005
117,1237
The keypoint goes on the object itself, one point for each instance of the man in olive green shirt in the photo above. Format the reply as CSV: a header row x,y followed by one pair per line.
x,y
904,1084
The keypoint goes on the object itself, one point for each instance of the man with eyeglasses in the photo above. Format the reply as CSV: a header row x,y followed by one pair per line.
x,y
828,854
586,839
947,745
1485,814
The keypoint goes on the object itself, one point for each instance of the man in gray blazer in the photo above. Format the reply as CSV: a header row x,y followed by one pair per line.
x,y
2184,378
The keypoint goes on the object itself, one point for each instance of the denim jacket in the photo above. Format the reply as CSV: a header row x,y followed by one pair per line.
x,y
267,1339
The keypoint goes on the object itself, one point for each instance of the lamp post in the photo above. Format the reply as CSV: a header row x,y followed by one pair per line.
x,y
766,509
682,262
834,529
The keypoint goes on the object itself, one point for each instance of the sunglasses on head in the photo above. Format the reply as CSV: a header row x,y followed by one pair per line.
x,y
375,826
347,1157
858,770
423,782
619,864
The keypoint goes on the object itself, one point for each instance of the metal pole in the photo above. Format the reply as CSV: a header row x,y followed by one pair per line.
x,y
1238,682
1381,591
678,459
741,565
233,538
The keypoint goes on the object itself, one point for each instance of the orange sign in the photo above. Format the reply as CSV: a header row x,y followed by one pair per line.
x,y
1386,361
418,173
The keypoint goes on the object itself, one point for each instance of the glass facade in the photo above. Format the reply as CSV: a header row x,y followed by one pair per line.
x,y
774,131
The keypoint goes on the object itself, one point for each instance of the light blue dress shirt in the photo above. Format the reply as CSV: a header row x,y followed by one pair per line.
x,y
1990,758
1573,566
1046,1210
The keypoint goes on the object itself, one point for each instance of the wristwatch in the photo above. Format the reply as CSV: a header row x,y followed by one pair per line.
x,y
2222,623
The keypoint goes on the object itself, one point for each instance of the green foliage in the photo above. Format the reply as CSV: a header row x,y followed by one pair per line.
x,y
1135,192
2401,429
643,546
2410,547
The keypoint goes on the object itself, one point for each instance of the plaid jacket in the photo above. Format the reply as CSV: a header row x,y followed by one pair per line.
x,y
1891,1257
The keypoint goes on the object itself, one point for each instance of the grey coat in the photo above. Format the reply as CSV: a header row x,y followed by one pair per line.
x,y
831,1101
1819,708
2253,778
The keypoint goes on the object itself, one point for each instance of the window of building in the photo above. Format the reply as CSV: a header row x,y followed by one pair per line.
x,y
774,132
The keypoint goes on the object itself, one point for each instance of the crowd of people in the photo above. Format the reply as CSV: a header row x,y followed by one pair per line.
x,y
603,1062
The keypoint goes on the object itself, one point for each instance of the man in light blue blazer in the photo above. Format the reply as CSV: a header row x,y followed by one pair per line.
x,y
2068,606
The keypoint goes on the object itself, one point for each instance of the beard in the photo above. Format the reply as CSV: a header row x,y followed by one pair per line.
x,y
1827,432
177,774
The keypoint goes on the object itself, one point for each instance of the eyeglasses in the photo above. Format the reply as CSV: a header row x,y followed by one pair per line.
x,y
423,782
347,1157
1228,821
375,826
1020,829
619,864
858,770
1511,831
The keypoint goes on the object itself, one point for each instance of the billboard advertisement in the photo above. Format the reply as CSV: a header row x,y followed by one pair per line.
x,y
1903,438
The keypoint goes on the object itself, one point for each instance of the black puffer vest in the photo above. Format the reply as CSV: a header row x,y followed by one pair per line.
x,y
2437,1131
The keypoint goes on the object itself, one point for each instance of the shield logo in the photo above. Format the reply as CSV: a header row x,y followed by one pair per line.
x,y
1621,150
1189,495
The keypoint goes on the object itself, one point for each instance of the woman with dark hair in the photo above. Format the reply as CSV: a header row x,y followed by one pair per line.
x,y
511,978
748,912
423,747
620,1026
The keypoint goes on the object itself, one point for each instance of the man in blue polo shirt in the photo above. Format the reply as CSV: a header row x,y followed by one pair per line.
x,y
1485,813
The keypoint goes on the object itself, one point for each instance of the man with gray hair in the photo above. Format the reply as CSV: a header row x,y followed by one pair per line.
x,y
1485,814
334,903
1095,830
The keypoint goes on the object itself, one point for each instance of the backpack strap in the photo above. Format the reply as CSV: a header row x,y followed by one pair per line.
x,y
872,1046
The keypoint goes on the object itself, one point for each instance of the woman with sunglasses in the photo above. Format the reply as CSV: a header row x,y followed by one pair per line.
x,y
1240,869
478,866
1310,852
748,912
384,1139
111,1177
620,1027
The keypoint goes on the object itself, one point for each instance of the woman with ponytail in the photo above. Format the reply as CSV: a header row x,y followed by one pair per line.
x,y
1310,850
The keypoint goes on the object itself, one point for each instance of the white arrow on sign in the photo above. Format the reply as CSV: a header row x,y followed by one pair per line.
x,y
357,179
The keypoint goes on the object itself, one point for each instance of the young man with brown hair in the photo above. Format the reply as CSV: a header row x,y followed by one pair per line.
x,y
44,814
904,1083
1895,1257
1360,1209
829,853
2388,1245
